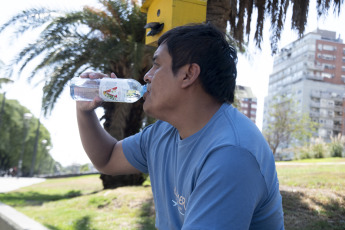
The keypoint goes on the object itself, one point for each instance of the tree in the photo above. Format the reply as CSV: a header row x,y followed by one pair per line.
x,y
14,141
108,40
287,125
239,15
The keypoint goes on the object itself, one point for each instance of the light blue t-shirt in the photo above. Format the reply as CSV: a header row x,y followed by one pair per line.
x,y
222,177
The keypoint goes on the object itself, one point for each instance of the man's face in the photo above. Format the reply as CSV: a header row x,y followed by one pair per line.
x,y
163,87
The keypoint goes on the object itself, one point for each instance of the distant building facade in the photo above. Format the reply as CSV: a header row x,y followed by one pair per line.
x,y
247,102
311,71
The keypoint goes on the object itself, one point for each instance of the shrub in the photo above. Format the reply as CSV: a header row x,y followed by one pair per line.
x,y
304,152
337,146
319,148
337,150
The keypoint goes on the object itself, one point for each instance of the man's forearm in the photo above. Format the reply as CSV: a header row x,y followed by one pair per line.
x,y
97,143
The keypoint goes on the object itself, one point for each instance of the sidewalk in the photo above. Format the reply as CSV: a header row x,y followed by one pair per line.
x,y
10,219
309,163
8,184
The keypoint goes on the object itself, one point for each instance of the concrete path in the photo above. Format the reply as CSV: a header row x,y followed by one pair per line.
x,y
11,219
309,163
8,184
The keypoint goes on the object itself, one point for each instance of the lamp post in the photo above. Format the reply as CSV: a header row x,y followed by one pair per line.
x,y
26,118
2,107
4,88
33,161
45,154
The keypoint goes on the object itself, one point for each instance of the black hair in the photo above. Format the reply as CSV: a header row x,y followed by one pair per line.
x,y
206,46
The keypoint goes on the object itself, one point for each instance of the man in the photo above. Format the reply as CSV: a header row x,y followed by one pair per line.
x,y
210,167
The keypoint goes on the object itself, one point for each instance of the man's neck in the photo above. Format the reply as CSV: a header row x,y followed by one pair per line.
x,y
194,116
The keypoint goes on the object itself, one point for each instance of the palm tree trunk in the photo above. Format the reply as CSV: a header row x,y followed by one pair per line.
x,y
131,117
123,120
218,13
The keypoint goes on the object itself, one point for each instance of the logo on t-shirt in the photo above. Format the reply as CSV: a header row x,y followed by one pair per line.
x,y
179,202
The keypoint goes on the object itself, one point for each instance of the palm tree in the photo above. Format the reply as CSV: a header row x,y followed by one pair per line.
x,y
239,15
110,39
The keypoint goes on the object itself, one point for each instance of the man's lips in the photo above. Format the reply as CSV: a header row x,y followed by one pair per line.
x,y
147,91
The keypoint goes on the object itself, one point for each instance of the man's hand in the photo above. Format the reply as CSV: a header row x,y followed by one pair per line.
x,y
92,105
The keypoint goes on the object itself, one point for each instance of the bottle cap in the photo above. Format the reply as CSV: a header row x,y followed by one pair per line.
x,y
143,90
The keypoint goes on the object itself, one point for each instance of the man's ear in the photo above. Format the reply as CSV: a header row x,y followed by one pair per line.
x,y
192,73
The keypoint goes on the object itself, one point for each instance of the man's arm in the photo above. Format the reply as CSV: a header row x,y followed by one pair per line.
x,y
104,151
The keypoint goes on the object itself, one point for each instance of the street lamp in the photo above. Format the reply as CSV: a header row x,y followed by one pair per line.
x,y
4,89
33,161
45,154
26,118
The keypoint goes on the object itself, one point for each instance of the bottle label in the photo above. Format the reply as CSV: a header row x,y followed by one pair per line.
x,y
110,90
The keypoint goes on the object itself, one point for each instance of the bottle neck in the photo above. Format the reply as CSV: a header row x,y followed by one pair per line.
x,y
143,90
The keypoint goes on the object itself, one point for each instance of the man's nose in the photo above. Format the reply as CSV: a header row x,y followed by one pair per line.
x,y
147,77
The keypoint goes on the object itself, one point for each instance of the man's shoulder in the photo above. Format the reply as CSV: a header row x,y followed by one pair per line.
x,y
242,127
159,129
161,125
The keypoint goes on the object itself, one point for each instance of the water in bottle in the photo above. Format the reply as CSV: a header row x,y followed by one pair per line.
x,y
109,89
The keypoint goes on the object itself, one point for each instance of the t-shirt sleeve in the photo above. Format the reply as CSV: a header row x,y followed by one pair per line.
x,y
226,192
135,150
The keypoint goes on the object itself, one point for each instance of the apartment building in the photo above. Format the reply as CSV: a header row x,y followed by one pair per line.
x,y
311,71
247,101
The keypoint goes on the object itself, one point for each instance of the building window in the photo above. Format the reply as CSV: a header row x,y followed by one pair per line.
x,y
327,75
343,78
344,59
329,48
327,66
326,57
343,68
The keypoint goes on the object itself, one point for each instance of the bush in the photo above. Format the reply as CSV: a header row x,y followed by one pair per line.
x,y
319,148
337,146
337,150
304,152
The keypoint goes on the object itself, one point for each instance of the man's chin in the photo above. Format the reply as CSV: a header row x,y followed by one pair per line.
x,y
146,109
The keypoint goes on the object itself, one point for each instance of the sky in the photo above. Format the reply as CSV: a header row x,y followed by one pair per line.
x,y
253,70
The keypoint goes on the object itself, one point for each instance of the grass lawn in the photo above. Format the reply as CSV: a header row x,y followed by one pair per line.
x,y
80,203
313,194
318,160
313,199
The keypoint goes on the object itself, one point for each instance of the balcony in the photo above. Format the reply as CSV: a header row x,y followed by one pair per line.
x,y
337,127
314,114
315,67
325,95
327,126
314,77
314,104
316,94
338,108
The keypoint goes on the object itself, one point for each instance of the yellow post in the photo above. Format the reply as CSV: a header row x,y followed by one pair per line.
x,y
163,15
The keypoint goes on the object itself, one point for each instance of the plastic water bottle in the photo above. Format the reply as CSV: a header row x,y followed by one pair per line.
x,y
109,89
